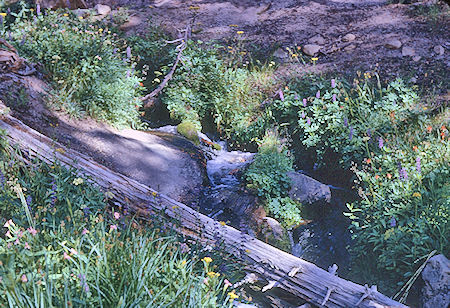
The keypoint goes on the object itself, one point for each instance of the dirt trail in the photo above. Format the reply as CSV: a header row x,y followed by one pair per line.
x,y
287,23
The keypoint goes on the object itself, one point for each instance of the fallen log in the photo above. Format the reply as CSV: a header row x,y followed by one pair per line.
x,y
282,270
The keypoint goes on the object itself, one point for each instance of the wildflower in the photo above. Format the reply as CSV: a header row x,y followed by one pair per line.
x,y
73,251
24,278
417,194
368,161
85,231
345,122
308,121
38,9
80,17
183,263
205,281
296,97
392,222
66,256
240,32
380,142
403,174
128,52
222,223
334,97
207,260
227,284
3,14
389,176
2,179
303,115
318,94
77,181
333,83
27,246
232,296
65,14
429,129
304,102
350,134
369,133
9,223
213,274
32,231
314,59
53,193
100,30
377,177
418,165
116,215
112,227
281,95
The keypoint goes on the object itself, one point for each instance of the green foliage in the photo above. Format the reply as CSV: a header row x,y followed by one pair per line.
x,y
189,130
87,63
286,210
267,174
54,253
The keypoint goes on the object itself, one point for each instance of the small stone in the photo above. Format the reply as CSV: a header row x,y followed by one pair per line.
x,y
413,80
349,37
311,49
274,226
439,50
408,51
393,44
350,47
103,9
416,58
317,39
280,53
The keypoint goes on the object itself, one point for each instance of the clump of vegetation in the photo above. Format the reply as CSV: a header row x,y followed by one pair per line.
x,y
189,130
90,67
60,247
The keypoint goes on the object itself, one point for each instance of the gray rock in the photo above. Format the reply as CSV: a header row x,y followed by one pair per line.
x,y
102,9
349,47
408,51
317,39
349,37
439,50
280,53
307,190
393,44
416,58
436,275
274,226
311,49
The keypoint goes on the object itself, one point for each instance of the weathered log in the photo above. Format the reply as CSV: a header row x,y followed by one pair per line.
x,y
282,270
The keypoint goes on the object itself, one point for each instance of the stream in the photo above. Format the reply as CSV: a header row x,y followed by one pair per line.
x,y
323,241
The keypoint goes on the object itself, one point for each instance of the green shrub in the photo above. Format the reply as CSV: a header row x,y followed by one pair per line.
x,y
286,210
89,66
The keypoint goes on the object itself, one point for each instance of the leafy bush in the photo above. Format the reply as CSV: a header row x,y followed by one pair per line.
x,y
53,252
286,210
88,64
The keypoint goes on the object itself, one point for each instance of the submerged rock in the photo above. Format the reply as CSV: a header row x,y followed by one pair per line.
x,y
436,275
305,189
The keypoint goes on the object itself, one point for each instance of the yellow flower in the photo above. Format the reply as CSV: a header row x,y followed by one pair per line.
x,y
222,223
154,194
240,32
3,14
65,14
183,263
207,259
314,59
60,150
247,250
416,194
213,274
80,17
234,26
232,295
100,30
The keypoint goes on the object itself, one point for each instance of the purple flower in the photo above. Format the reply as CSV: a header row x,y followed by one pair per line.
x,y
392,222
303,115
369,133
418,165
334,97
53,193
380,142
308,120
68,4
38,9
403,174
1,19
318,94
281,95
2,179
345,121
350,135
304,102
333,83
114,51
86,211
296,96
128,74
128,52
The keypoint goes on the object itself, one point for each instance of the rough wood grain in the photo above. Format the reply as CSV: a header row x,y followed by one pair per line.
x,y
282,270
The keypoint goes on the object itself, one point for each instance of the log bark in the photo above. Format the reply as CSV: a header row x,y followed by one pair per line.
x,y
280,269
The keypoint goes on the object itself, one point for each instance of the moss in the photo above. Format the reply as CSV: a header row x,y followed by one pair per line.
x,y
216,146
189,131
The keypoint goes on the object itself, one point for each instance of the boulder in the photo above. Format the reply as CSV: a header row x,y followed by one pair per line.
x,y
436,276
393,44
439,50
274,227
102,9
305,189
311,49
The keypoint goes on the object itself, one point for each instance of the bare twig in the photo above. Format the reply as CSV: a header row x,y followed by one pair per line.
x,y
180,48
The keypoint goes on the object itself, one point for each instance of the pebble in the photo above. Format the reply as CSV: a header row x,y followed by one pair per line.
x,y
349,47
416,58
349,37
439,50
408,52
317,39
103,9
393,44
311,49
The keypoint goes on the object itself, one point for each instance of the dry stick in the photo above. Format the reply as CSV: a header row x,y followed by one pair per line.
x,y
181,48
282,270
